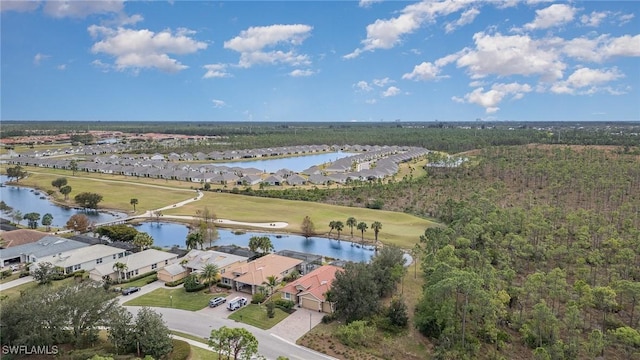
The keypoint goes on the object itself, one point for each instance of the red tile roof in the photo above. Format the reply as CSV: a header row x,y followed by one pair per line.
x,y
315,283
20,237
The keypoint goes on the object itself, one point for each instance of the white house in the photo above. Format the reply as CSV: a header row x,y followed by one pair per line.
x,y
135,264
84,258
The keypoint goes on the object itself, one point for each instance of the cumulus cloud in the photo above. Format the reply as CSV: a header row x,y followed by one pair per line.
x,y
385,34
363,85
586,78
382,82
251,45
467,17
37,59
594,19
490,99
602,48
367,3
216,71
62,67
138,49
218,103
554,15
391,91
301,73
19,6
81,9
496,54
425,71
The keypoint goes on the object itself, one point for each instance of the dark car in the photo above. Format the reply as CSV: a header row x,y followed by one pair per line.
x,y
217,301
130,290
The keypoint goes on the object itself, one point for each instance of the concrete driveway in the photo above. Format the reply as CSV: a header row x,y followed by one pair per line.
x,y
297,324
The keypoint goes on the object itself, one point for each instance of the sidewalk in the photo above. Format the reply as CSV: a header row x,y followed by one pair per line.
x,y
16,282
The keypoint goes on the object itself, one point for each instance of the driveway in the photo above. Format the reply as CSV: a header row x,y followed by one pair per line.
x,y
297,324
143,290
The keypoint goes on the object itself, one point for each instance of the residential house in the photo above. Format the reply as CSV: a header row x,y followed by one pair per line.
x,y
20,237
309,261
172,272
252,276
274,180
196,260
31,253
135,264
296,179
84,258
310,290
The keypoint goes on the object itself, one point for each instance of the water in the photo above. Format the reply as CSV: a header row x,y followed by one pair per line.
x,y
170,234
296,164
28,200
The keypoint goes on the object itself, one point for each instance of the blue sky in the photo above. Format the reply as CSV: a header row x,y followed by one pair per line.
x,y
451,60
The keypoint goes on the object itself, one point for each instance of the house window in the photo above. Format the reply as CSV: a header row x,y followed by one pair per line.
x,y
136,272
154,266
166,262
99,261
114,256
76,267
287,296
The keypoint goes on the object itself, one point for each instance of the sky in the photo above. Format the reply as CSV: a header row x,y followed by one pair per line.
x,y
290,61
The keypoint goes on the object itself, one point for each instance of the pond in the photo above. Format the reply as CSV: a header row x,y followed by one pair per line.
x,y
295,164
169,234
29,200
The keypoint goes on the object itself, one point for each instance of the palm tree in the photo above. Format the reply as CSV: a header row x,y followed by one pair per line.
x,y
193,239
351,222
272,282
120,268
362,226
332,225
47,219
134,202
339,227
376,226
210,274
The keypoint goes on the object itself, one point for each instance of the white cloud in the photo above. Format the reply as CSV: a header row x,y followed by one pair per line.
x,y
602,47
391,91
37,59
467,17
371,101
218,103
81,9
512,55
137,49
385,34
554,15
382,82
594,19
19,6
586,78
216,71
625,18
492,98
367,3
363,85
425,71
252,42
301,73
61,67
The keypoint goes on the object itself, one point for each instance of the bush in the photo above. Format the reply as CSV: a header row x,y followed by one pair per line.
x,y
271,310
376,204
143,276
6,273
174,283
258,298
181,350
357,333
285,304
328,318
154,278
191,284
224,286
24,273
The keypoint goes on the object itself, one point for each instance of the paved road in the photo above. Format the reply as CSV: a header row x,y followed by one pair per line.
x,y
270,345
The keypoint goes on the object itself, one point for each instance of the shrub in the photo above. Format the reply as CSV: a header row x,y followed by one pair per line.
x,y
375,204
174,283
191,284
24,273
181,350
6,273
271,310
285,304
142,276
357,333
224,286
258,298
328,318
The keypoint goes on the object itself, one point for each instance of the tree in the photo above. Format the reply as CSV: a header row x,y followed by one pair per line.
x,y
272,282
16,172
210,274
397,313
193,240
65,190
152,335
206,225
88,200
121,330
332,226
362,226
79,223
121,269
157,214
376,226
59,183
32,218
233,343
351,223
308,228
47,220
260,243
630,292
5,208
133,202
43,273
142,240
629,338
388,268
17,216
73,166
604,299
120,232
355,293
339,225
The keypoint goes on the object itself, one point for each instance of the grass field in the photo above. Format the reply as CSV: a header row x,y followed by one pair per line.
x,y
15,291
256,315
139,282
172,298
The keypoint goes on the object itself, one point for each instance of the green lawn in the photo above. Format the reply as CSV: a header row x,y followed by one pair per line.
x,y
202,354
15,291
256,315
189,336
14,276
172,298
139,283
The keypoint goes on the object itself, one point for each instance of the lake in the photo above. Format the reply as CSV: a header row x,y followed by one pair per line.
x,y
296,163
170,234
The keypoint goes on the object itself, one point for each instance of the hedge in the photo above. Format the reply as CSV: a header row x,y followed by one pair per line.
x,y
143,276
174,283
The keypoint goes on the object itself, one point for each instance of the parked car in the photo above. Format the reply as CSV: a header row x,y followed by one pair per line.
x,y
130,290
217,301
236,303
